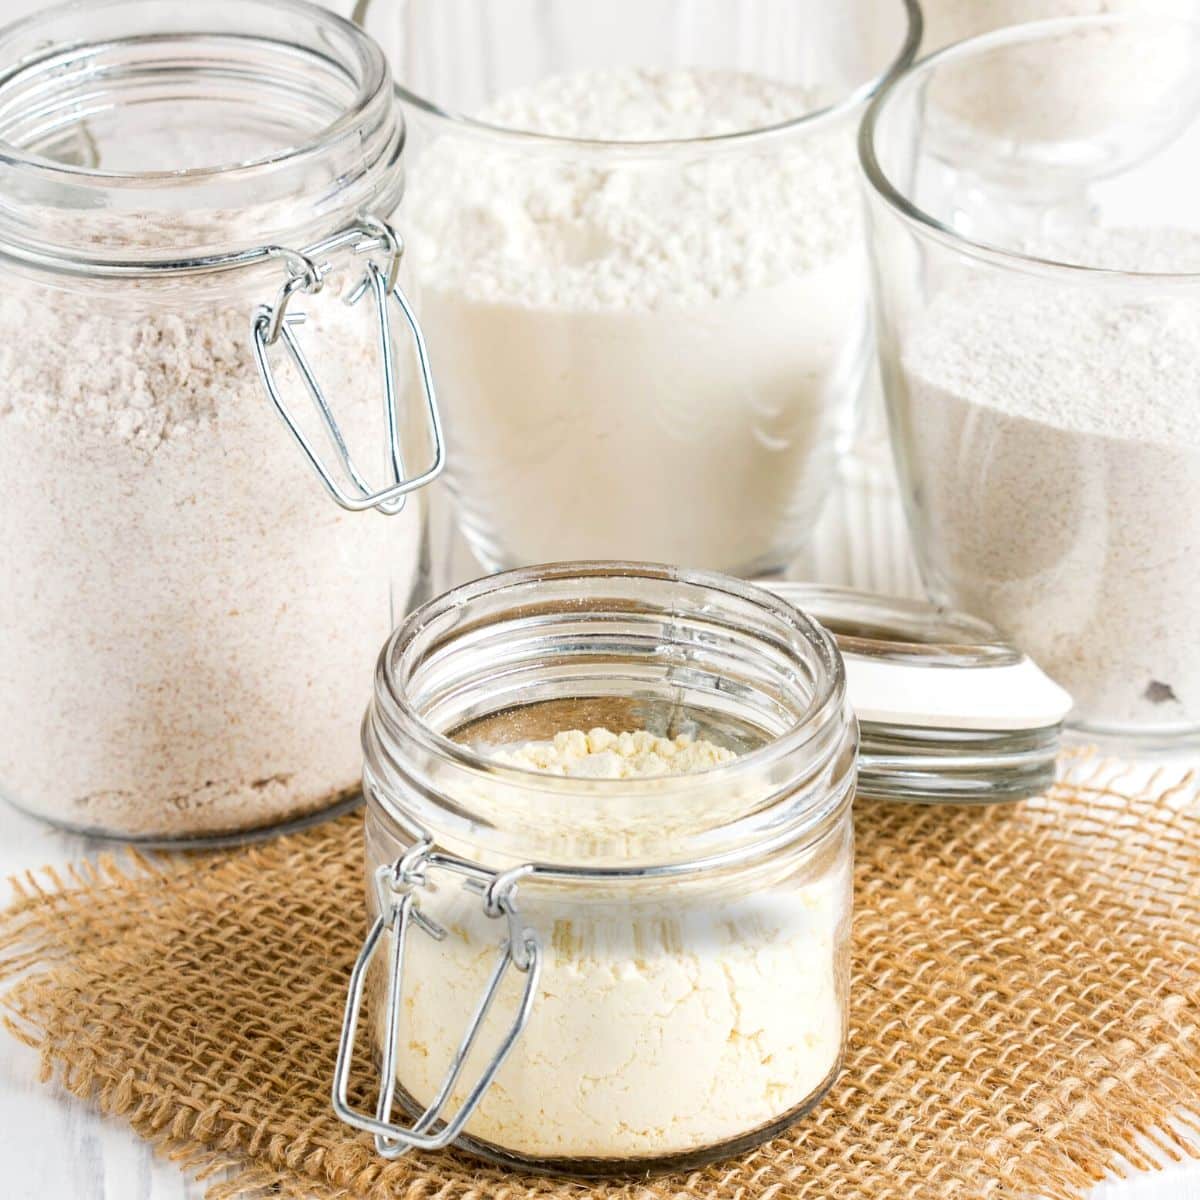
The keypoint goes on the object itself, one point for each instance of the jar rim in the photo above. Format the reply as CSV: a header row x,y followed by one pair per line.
x,y
830,693
784,793
855,98
881,184
374,79
83,219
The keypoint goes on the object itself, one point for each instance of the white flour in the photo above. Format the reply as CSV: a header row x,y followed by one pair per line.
x,y
189,623
667,1020
642,358
1055,440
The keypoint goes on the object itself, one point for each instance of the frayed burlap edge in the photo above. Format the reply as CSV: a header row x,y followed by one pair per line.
x,y
1025,1016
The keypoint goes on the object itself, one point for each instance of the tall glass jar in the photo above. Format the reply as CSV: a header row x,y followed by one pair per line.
x,y
666,959
636,243
1037,257
186,621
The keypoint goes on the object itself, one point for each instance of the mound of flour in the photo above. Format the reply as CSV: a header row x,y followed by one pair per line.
x,y
1053,437
642,355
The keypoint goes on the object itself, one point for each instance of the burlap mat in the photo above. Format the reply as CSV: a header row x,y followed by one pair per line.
x,y
1025,1009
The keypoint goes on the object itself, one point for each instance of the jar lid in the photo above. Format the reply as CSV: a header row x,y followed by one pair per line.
x,y
949,711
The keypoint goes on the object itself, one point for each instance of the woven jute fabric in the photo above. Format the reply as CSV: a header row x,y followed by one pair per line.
x,y
1025,1007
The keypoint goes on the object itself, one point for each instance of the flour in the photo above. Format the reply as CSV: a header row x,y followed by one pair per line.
x,y
1053,435
189,623
668,1019
644,356
602,754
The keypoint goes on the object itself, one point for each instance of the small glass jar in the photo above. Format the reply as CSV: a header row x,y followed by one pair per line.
x,y
636,248
663,963
1037,263
186,622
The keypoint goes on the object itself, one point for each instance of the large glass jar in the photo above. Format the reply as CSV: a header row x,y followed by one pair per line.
x,y
186,620
666,958
636,250
1038,267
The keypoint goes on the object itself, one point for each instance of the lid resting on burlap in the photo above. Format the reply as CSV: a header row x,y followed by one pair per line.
x,y
950,711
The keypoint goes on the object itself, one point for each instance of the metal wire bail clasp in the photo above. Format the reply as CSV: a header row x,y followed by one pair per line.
x,y
273,324
397,885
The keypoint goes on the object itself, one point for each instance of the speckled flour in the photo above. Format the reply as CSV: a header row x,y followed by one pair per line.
x,y
1054,437
189,623
644,357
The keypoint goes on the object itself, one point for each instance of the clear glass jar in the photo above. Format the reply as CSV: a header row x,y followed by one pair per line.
x,y
674,951
651,346
1038,278
186,621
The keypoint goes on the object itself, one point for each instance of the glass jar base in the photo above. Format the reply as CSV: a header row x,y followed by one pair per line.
x,y
608,1168
1133,740
341,804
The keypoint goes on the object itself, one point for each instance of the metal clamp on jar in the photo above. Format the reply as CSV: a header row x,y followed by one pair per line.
x,y
595,976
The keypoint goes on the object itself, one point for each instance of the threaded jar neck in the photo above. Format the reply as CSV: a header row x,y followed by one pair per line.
x,y
149,132
523,655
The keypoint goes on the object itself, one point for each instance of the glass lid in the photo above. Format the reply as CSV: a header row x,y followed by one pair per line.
x,y
950,712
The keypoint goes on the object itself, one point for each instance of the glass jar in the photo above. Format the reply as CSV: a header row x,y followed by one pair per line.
x,y
636,244
186,622
1038,281
663,961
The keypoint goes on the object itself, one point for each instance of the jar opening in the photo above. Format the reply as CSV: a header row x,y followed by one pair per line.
x,y
843,58
158,131
522,655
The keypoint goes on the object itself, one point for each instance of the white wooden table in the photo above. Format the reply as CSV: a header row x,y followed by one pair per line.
x,y
55,1147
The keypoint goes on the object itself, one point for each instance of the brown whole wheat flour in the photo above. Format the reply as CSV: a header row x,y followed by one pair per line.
x,y
1025,1009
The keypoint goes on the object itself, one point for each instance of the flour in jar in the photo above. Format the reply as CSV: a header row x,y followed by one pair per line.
x,y
1052,433
667,1019
189,624
602,754
651,354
